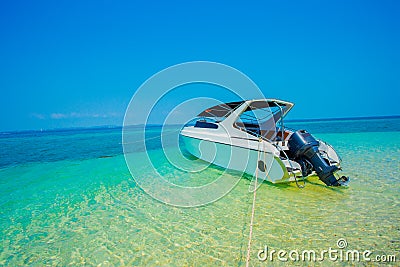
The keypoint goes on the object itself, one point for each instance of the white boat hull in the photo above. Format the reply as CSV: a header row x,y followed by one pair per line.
x,y
240,159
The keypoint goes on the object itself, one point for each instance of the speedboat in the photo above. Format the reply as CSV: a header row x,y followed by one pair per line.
x,y
250,136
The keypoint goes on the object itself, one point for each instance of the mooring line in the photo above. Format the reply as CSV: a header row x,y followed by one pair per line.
x,y
253,208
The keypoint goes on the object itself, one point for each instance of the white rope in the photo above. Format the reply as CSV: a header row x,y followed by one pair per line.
x,y
253,207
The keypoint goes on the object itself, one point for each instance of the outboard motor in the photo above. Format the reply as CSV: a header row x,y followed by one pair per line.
x,y
303,147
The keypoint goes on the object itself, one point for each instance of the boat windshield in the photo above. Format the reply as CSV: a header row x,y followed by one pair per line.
x,y
260,118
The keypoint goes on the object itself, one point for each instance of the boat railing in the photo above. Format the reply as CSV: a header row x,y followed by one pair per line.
x,y
291,171
282,125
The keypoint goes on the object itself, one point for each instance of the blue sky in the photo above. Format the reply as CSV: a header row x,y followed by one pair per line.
x,y
77,63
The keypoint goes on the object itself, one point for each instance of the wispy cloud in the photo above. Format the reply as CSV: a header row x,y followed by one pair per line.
x,y
74,115
58,116
38,116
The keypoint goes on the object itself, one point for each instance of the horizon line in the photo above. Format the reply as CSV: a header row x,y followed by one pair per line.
x,y
156,124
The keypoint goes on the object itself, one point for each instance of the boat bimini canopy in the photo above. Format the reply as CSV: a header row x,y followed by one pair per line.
x,y
224,110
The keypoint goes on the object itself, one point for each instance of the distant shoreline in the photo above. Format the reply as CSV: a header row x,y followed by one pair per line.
x,y
105,127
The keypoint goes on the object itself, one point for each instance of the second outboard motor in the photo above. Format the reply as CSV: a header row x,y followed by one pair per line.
x,y
303,147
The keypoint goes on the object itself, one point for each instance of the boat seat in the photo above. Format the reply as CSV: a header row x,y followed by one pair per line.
x,y
271,135
286,134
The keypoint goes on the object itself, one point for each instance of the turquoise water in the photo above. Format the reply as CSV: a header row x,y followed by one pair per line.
x,y
67,198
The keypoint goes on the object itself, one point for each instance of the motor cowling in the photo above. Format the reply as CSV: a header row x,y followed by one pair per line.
x,y
304,148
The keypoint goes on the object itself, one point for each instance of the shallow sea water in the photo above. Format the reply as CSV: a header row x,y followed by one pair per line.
x,y
86,209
